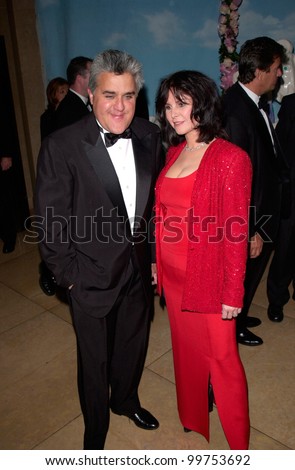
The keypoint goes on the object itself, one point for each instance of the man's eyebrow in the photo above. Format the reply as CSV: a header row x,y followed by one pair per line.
x,y
107,92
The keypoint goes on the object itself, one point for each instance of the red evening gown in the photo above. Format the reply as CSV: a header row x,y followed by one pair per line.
x,y
204,345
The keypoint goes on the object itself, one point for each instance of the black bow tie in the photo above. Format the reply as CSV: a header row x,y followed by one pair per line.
x,y
263,104
111,139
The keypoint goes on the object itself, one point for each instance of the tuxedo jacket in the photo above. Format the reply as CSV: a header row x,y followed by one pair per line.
x,y
247,128
70,110
82,220
47,122
286,130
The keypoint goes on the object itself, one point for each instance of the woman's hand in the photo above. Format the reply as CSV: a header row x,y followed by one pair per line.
x,y
228,313
154,274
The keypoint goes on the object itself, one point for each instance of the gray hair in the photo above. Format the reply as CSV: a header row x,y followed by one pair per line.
x,y
117,62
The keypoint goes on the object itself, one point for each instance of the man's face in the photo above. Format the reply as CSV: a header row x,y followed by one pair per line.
x,y
268,79
114,101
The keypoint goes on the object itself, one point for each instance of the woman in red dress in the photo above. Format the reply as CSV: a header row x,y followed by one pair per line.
x,y
202,200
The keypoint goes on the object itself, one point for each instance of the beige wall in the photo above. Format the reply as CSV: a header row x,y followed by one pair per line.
x,y
18,26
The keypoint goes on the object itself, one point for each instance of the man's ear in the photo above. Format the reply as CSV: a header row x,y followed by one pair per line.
x,y
258,73
90,94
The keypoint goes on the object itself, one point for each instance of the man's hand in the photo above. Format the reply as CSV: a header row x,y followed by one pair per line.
x,y
256,245
6,163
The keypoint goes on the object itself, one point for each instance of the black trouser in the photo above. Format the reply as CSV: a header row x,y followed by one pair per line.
x,y
111,356
282,268
254,271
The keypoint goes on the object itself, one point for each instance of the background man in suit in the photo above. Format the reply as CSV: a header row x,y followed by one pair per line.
x,y
282,269
71,108
95,190
8,230
11,217
248,126
75,104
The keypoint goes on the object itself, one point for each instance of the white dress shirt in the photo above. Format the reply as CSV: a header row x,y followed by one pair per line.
x,y
122,157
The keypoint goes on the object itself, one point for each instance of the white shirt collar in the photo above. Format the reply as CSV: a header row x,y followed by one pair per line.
x,y
102,129
250,93
83,98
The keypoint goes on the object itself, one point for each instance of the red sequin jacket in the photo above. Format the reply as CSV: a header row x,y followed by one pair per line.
x,y
218,230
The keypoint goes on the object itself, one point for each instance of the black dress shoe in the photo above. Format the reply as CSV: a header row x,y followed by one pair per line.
x,y
275,313
143,419
251,322
248,338
8,247
47,284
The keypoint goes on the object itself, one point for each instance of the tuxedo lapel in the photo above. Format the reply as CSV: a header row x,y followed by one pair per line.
x,y
141,149
260,125
104,169
275,153
100,160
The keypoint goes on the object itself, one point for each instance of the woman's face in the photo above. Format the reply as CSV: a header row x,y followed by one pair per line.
x,y
178,114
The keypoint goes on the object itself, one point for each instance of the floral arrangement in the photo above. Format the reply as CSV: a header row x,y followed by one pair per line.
x,y
228,30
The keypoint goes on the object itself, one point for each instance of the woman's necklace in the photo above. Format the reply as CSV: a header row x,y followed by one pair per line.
x,y
191,149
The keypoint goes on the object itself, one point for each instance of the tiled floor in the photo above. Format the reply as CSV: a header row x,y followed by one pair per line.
x,y
39,407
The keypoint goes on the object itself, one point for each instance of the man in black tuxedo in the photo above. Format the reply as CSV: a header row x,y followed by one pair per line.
x,y
282,269
248,126
95,193
74,106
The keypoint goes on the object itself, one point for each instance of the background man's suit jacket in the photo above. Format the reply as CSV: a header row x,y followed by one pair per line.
x,y
286,130
70,110
246,127
90,243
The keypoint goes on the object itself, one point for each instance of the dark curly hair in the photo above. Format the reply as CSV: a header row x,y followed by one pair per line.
x,y
206,105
